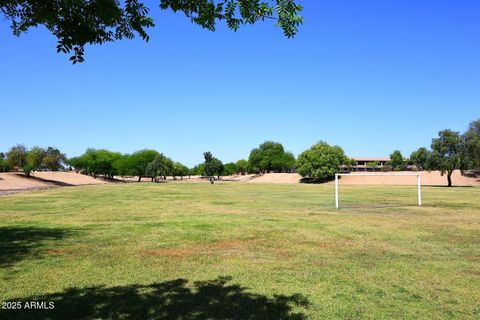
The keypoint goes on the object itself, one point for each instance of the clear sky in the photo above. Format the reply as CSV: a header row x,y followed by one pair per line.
x,y
371,76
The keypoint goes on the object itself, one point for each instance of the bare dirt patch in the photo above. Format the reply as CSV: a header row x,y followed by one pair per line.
x,y
433,178
206,248
277,178
58,251
13,182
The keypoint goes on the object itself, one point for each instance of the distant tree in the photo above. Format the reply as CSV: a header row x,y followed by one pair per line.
x,y
242,166
4,166
419,158
191,172
168,168
271,156
27,169
321,161
284,163
396,159
446,153
122,166
373,164
213,166
17,156
78,163
103,163
53,159
199,169
139,161
97,162
179,170
230,169
159,168
78,23
35,157
471,146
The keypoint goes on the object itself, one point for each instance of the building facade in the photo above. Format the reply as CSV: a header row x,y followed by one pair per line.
x,y
365,164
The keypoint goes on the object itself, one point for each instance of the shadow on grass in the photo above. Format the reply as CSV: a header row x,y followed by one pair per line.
x,y
378,206
445,186
19,243
316,180
173,300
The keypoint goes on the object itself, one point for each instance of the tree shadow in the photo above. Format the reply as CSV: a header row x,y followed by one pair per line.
x,y
316,180
171,300
445,186
19,243
48,181
378,206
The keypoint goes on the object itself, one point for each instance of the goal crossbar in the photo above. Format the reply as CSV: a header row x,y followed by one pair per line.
x,y
419,183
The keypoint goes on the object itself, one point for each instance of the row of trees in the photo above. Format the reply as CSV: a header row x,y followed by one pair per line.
x,y
37,158
448,152
268,157
143,163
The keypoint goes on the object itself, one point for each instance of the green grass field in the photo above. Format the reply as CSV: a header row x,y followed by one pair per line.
x,y
241,251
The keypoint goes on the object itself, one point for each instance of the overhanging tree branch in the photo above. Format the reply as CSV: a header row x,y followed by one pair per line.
x,y
77,23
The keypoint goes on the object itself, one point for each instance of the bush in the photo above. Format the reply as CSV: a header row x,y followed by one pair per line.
x,y
387,168
230,169
402,167
27,169
4,166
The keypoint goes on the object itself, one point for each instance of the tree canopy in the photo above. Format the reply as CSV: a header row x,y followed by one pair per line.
x,y
242,166
446,151
35,157
321,161
53,159
271,156
160,168
230,169
199,169
396,159
179,170
138,162
471,141
78,23
213,166
419,158
97,162
17,156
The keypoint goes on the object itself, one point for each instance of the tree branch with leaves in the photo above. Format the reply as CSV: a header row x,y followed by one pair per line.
x,y
77,23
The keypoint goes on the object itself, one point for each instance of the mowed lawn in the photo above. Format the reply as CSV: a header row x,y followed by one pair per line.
x,y
241,251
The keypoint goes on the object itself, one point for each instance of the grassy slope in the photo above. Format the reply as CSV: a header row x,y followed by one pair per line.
x,y
111,244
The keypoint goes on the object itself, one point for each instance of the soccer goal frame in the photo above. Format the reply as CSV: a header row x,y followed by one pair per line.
x,y
419,183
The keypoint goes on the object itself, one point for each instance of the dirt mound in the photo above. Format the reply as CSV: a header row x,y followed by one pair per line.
x,y
14,182
433,178
428,179
277,178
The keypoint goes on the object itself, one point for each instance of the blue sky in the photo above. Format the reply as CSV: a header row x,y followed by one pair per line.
x,y
371,76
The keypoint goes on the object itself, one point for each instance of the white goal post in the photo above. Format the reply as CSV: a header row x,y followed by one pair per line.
x,y
419,184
